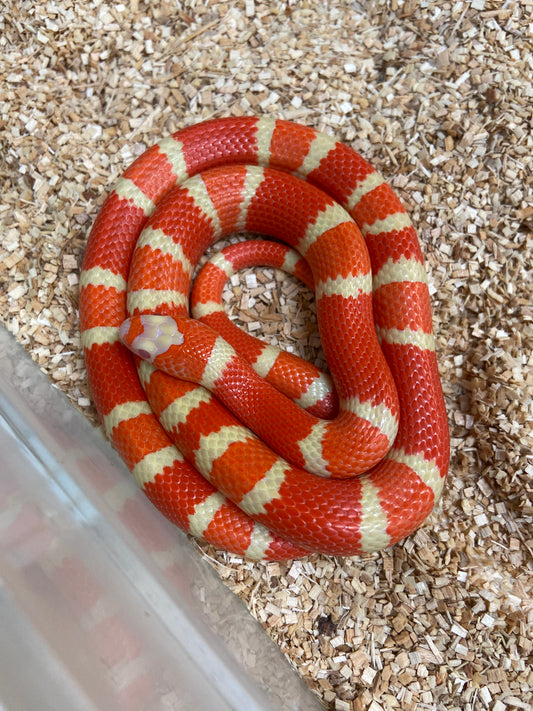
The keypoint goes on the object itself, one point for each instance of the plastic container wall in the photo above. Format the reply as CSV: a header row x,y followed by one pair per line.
x,y
103,603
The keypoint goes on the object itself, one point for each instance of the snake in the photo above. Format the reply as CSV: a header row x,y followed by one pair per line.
x,y
236,442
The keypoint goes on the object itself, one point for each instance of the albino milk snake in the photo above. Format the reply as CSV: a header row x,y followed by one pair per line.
x,y
354,469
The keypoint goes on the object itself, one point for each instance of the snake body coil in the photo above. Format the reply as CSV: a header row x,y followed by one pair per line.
x,y
234,442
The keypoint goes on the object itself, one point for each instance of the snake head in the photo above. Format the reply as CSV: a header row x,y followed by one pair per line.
x,y
150,335
180,347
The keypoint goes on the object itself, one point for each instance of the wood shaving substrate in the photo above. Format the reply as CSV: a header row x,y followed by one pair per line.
x,y
438,95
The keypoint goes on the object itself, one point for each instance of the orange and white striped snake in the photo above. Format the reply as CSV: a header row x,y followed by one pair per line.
x,y
227,437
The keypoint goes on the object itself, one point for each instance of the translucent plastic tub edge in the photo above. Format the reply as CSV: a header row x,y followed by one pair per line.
x,y
103,603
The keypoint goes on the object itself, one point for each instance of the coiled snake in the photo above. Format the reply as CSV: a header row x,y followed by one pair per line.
x,y
273,479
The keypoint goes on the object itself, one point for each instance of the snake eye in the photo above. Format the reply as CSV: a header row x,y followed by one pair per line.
x,y
145,355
